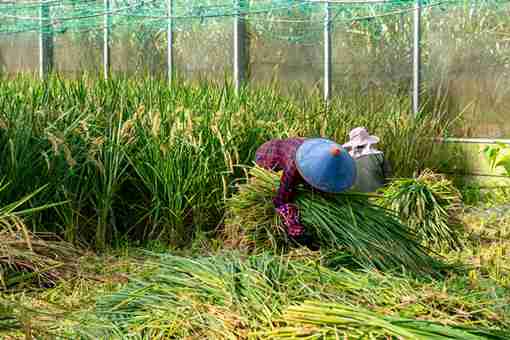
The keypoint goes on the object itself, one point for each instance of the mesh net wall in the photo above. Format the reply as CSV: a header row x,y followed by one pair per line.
x,y
465,46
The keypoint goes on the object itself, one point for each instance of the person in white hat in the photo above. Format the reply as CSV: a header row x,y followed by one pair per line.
x,y
372,168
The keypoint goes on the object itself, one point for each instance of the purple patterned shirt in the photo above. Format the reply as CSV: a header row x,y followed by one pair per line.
x,y
277,155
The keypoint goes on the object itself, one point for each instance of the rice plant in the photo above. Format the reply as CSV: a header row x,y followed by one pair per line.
x,y
136,159
345,222
429,204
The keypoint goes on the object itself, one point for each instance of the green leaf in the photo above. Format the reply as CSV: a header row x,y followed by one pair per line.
x,y
504,161
491,153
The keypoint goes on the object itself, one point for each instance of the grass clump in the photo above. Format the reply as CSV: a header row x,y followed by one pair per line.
x,y
429,204
347,222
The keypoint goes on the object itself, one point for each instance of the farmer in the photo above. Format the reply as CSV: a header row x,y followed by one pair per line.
x,y
320,163
372,168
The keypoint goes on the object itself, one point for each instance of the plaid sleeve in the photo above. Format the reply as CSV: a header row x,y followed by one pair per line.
x,y
280,155
267,155
288,183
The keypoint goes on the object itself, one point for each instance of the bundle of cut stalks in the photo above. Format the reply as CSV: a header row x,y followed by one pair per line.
x,y
320,320
429,204
35,259
235,296
219,297
346,222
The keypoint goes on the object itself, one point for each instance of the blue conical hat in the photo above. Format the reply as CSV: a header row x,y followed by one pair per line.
x,y
325,165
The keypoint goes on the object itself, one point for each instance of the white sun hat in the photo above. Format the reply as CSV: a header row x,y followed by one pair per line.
x,y
360,137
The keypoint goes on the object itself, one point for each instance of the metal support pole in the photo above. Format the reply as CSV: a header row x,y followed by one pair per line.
x,y
417,57
106,39
45,41
327,53
170,42
240,64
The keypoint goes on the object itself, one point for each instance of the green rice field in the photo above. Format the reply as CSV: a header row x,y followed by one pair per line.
x,y
119,198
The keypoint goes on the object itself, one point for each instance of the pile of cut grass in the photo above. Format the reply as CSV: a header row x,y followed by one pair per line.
x,y
231,296
346,222
334,320
429,204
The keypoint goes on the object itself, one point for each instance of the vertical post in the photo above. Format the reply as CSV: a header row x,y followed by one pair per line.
x,y
327,53
240,62
417,57
106,39
45,41
170,42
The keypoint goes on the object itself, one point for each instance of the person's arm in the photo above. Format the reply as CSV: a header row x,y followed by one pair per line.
x,y
289,212
287,188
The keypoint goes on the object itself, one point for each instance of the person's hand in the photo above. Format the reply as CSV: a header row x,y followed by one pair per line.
x,y
290,216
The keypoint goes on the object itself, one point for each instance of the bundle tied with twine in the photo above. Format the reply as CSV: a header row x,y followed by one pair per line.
x,y
343,223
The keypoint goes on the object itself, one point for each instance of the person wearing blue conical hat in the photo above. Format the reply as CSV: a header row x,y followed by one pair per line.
x,y
318,162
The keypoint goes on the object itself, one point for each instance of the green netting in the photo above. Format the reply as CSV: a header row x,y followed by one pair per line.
x,y
291,20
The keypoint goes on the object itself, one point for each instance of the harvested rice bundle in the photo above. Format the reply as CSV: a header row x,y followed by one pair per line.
x,y
251,220
429,204
218,297
342,222
231,296
319,320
